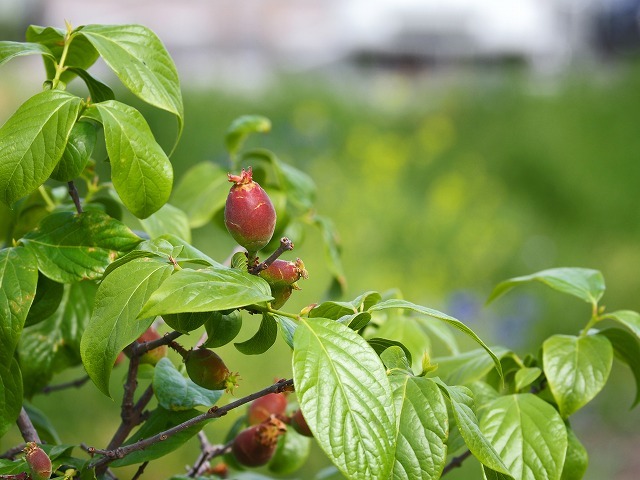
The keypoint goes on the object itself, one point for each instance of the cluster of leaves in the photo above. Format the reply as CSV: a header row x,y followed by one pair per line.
x,y
78,286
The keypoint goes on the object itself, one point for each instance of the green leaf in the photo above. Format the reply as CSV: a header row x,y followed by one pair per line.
x,y
356,321
72,247
80,54
160,421
264,338
10,394
406,331
240,129
628,319
345,396
221,328
82,140
398,303
33,140
576,368
18,283
201,192
396,360
140,170
141,62
206,290
332,310
627,349
115,323
526,376
168,220
576,461
287,328
583,283
421,428
182,252
54,344
462,407
440,332
379,345
529,435
9,50
332,249
175,392
98,91
188,321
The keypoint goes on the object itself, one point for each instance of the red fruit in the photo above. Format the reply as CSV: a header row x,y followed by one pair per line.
x,y
281,272
249,214
299,424
39,462
206,368
152,356
262,408
254,446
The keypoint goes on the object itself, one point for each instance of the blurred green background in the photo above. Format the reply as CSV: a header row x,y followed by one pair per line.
x,y
441,190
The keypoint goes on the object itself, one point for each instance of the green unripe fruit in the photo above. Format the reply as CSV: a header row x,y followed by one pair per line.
x,y
255,446
280,295
248,213
38,461
206,369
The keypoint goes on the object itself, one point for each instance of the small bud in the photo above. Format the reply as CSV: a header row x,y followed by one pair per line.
x,y
38,461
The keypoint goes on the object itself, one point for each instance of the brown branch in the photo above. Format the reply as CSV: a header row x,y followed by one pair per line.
x,y
208,452
63,386
28,431
455,462
214,412
18,476
285,244
139,349
13,452
73,192
140,471
135,419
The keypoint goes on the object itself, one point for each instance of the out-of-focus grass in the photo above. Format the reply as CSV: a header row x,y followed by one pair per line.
x,y
443,192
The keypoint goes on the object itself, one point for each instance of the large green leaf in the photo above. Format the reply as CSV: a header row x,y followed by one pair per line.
x,y
141,62
175,392
48,297
421,428
576,460
583,283
82,140
240,129
205,290
33,140
187,321
576,368
466,367
140,170
54,344
18,283
462,408
9,50
628,319
159,421
201,192
72,247
263,339
168,220
399,303
98,91
529,435
345,396
10,394
80,53
627,349
114,323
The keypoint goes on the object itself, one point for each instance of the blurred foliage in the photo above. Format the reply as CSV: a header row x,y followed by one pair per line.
x,y
443,191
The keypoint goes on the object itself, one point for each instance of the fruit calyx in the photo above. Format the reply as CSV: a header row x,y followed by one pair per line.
x,y
38,461
206,369
249,214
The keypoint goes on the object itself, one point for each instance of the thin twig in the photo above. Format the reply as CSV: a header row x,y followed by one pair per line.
x,y
17,476
285,244
28,431
130,386
63,386
125,427
214,412
455,462
140,470
13,452
139,349
73,192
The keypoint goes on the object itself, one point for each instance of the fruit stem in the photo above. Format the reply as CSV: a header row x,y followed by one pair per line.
x,y
184,353
268,309
285,244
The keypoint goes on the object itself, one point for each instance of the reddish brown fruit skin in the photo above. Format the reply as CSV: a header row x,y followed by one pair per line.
x,y
254,446
262,408
152,356
206,368
299,424
249,215
281,272
39,462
